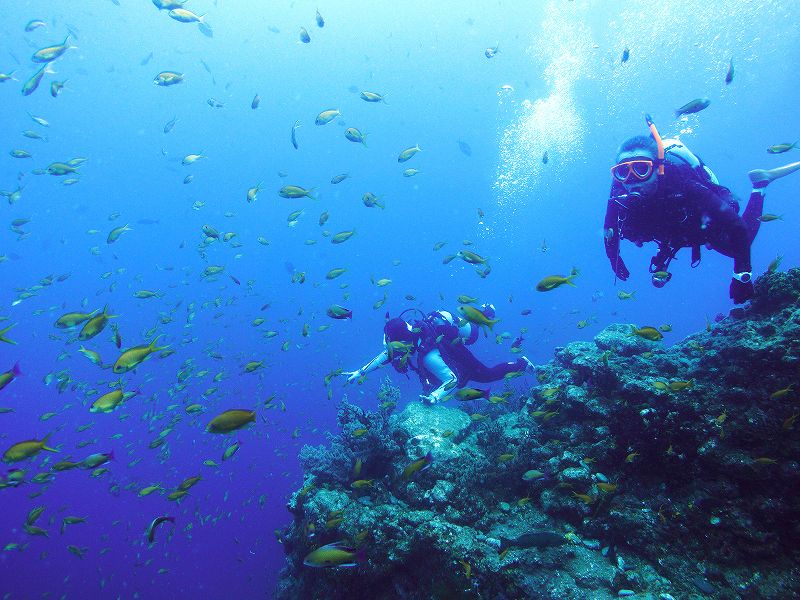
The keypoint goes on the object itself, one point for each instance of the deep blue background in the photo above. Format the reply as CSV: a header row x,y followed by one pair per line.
x,y
571,97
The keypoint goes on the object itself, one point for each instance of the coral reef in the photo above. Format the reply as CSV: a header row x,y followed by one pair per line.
x,y
629,469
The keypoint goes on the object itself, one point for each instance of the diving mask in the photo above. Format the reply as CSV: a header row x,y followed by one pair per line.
x,y
640,169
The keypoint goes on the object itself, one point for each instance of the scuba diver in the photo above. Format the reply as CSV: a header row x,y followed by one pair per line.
x,y
439,341
662,192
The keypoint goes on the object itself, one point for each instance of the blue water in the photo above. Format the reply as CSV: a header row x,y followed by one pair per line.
x,y
569,95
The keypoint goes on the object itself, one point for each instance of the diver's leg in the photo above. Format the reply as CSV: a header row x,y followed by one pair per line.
x,y
475,370
761,178
752,213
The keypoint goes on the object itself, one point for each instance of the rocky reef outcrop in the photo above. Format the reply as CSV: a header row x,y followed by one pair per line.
x,y
628,469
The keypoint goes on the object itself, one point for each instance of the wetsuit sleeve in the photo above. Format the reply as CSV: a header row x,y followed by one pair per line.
x,y
611,240
380,359
376,362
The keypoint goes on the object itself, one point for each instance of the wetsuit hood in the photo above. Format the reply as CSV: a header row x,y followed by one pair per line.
x,y
397,330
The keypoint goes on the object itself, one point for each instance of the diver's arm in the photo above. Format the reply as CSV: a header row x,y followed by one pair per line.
x,y
611,240
435,365
376,362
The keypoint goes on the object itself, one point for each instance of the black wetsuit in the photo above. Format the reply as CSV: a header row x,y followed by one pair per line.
x,y
437,333
688,210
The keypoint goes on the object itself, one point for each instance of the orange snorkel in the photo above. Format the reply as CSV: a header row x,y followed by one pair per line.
x,y
659,143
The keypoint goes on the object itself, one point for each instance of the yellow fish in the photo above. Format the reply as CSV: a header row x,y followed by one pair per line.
x,y
73,319
359,484
471,257
607,487
782,392
114,234
111,401
408,153
27,449
417,466
49,54
648,333
473,315
9,376
679,386
95,325
231,420
554,281
131,358
585,498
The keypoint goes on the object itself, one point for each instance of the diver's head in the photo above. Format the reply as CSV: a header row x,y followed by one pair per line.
x,y
635,169
398,330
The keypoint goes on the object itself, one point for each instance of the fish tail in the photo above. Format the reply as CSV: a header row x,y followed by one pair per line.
x,y
3,338
154,348
15,370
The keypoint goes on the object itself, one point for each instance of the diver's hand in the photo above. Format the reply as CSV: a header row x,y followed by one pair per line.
x,y
741,292
352,375
427,399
